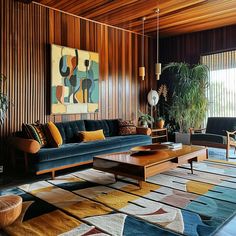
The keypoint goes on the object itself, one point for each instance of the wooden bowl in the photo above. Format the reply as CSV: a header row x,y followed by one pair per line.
x,y
148,148
10,209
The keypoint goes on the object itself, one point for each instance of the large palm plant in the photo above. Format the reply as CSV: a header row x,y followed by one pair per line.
x,y
189,97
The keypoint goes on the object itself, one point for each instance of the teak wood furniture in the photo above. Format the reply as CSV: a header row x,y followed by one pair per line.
x,y
144,164
219,133
159,135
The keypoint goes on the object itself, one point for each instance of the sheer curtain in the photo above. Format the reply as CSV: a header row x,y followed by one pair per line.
x,y
221,91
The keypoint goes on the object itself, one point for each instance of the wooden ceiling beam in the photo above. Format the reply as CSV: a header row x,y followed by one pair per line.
x,y
203,25
165,11
182,19
106,8
128,12
174,14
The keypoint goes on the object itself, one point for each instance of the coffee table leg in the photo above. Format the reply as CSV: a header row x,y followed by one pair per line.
x,y
116,179
191,165
140,183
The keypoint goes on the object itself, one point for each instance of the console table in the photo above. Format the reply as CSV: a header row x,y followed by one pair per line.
x,y
159,135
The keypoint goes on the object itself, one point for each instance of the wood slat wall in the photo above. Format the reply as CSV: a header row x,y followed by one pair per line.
x,y
189,47
27,30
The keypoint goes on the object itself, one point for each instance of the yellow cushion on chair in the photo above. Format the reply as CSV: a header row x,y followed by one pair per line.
x,y
54,135
87,136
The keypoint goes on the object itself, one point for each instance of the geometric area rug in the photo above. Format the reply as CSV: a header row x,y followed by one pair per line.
x,y
90,202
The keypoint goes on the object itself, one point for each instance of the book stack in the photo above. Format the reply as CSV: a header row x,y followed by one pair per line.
x,y
175,146
172,145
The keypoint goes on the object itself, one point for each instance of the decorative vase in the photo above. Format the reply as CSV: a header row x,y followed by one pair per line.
x,y
160,124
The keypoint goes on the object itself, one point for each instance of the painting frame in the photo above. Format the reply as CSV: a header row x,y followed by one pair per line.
x,y
74,87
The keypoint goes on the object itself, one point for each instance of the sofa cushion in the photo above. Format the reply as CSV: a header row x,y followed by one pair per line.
x,y
212,138
219,125
134,140
70,129
35,131
76,149
127,127
53,135
88,136
92,125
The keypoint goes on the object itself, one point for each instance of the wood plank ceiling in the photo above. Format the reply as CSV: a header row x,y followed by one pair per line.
x,y
176,16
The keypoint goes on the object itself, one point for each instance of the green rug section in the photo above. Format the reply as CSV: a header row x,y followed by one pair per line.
x,y
90,202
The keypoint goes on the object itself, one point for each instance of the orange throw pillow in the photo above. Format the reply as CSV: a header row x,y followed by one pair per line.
x,y
54,135
87,136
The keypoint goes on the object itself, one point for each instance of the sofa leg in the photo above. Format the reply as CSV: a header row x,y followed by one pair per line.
x,y
53,174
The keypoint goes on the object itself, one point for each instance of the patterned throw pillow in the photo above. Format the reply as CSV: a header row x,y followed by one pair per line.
x,y
127,127
35,131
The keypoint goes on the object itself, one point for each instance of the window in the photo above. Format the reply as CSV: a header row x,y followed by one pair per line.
x,y
221,91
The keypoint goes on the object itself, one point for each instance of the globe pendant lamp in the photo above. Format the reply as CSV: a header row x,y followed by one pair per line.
x,y
158,65
142,68
153,99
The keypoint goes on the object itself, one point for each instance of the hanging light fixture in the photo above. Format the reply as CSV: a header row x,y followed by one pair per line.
x,y
158,65
142,68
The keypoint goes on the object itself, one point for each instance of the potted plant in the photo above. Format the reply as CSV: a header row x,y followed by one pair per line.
x,y
189,102
145,119
162,106
160,122
3,100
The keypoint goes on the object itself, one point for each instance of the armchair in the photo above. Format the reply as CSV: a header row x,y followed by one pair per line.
x,y
219,133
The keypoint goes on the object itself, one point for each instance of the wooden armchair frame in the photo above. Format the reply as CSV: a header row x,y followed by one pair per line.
x,y
230,142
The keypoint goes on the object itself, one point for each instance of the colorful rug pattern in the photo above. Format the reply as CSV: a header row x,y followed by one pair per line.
x,y
90,202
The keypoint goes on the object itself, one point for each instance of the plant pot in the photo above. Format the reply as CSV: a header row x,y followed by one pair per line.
x,y
144,124
160,124
183,138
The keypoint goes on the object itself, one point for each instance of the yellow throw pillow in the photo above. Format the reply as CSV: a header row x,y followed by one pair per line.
x,y
54,135
87,136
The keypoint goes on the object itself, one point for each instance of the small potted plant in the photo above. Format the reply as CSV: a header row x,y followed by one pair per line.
x,y
145,119
160,122
3,100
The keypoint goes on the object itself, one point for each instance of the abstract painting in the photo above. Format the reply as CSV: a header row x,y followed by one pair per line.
x,y
74,80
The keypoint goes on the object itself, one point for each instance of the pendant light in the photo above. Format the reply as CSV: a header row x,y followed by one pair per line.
x,y
158,65
142,68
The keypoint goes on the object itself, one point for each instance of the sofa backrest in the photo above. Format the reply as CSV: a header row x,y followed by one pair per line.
x,y
110,127
69,130
219,125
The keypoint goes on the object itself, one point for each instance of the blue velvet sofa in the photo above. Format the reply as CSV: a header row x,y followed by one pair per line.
x,y
219,133
73,152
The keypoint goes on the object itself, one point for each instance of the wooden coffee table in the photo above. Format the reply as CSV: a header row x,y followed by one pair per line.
x,y
144,164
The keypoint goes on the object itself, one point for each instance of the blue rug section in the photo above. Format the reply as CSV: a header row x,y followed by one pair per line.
x,y
139,227
220,154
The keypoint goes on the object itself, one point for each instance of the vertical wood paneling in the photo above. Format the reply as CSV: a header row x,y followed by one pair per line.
x,y
189,47
27,30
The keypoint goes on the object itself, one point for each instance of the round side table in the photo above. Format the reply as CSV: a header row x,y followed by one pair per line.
x,y
10,209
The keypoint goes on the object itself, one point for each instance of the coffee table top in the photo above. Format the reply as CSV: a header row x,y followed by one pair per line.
x,y
157,154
